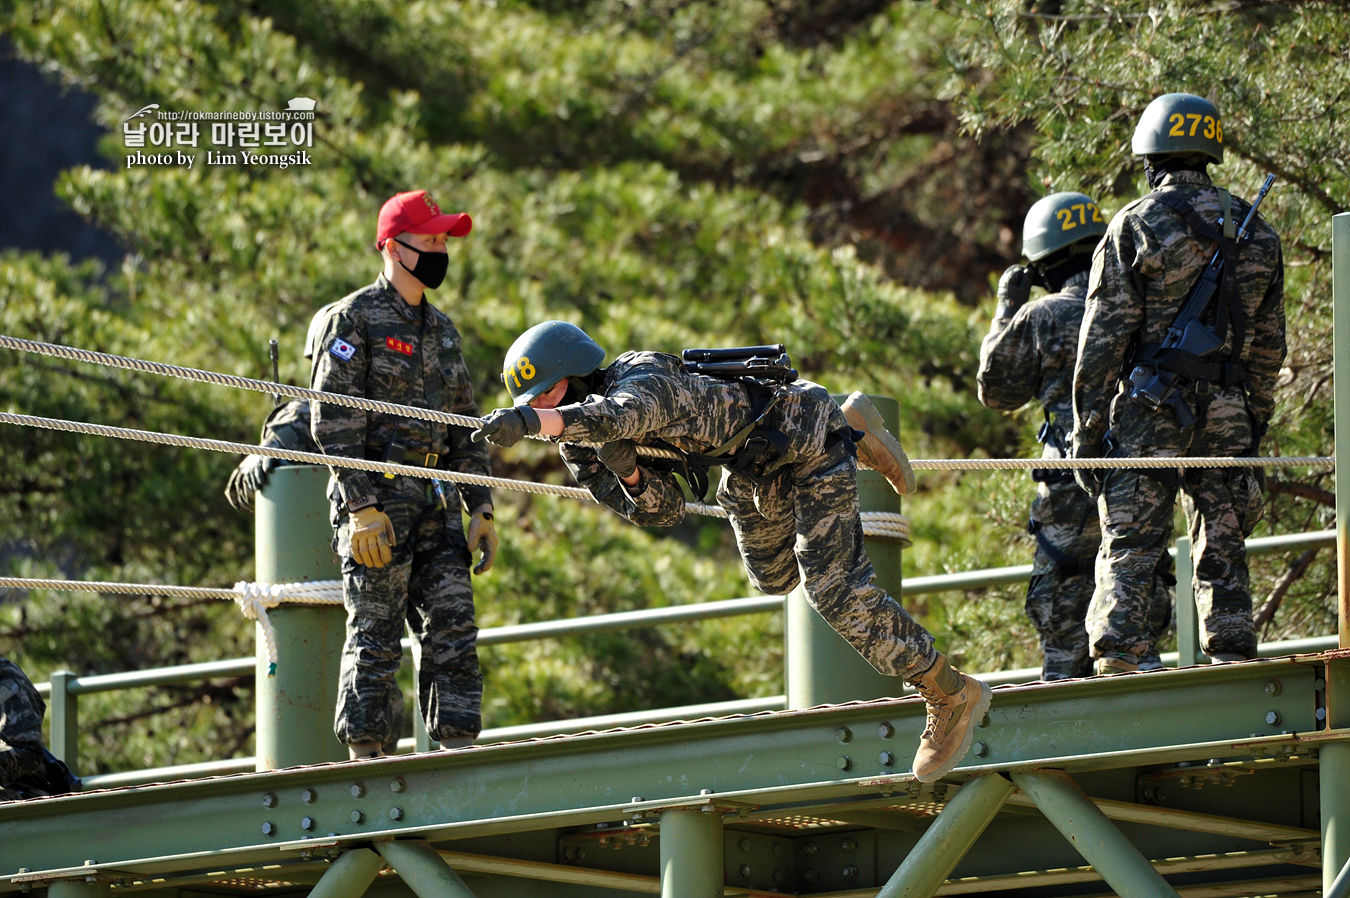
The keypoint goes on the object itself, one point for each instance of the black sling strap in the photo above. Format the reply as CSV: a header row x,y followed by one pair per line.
x,y
1229,311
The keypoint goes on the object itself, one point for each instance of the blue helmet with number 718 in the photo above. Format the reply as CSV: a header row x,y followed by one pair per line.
x,y
1059,220
544,355
1179,123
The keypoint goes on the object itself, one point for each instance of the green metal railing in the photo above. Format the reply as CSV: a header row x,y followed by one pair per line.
x,y
65,687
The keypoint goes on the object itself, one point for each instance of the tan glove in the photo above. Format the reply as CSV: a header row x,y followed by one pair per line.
x,y
483,535
372,537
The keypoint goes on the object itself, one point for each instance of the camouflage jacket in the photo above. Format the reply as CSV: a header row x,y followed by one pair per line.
x,y
648,397
1032,356
288,427
1142,273
21,711
376,345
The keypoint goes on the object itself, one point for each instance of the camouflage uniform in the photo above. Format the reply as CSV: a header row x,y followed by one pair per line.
x,y
374,344
21,753
1141,275
1030,357
287,427
796,518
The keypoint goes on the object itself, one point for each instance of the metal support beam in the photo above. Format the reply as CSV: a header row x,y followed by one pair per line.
x,y
65,719
423,870
691,854
296,702
83,888
1340,886
1340,315
1080,821
948,839
1334,775
1188,622
820,667
350,875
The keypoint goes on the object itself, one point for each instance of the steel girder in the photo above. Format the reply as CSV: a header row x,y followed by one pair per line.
x,y
752,767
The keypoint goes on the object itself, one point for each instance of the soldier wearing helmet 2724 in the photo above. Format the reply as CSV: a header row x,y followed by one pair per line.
x,y
1029,354
789,485
1142,274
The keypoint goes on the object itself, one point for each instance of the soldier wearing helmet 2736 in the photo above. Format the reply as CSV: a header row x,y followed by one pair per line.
x,y
1029,354
1154,251
789,456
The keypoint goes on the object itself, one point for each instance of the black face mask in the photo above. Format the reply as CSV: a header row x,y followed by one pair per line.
x,y
430,268
1151,175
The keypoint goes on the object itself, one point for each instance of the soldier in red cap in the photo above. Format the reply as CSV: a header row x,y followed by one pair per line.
x,y
405,554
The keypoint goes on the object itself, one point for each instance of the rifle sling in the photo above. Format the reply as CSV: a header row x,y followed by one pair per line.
x,y
1230,305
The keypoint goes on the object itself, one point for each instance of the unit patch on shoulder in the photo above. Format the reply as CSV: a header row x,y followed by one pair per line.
x,y
398,345
342,349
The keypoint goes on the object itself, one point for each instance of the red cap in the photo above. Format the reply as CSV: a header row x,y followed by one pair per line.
x,y
416,212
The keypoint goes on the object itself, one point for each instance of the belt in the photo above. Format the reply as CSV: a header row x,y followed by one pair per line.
x,y
416,459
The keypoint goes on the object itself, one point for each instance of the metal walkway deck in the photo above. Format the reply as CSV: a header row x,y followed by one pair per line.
x,y
1211,772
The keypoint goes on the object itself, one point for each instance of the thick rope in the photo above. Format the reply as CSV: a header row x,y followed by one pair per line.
x,y
263,386
888,524
253,599
406,411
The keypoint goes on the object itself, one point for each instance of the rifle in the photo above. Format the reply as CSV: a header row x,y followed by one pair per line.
x,y
761,362
276,370
1155,385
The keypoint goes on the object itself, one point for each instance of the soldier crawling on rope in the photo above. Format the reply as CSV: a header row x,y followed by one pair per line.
x,y
789,486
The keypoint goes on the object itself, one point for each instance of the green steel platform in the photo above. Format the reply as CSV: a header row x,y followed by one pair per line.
x,y
1211,772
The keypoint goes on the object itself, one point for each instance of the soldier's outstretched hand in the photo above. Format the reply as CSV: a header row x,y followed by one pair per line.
x,y
507,426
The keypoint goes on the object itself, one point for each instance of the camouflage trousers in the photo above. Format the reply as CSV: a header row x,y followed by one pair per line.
x,y
21,711
427,586
1065,525
802,526
1136,509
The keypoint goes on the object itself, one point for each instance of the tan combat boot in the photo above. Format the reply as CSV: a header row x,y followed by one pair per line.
x,y
453,742
879,450
1110,665
956,703
359,751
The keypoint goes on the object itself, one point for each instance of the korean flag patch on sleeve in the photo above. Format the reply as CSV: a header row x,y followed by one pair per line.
x,y
342,349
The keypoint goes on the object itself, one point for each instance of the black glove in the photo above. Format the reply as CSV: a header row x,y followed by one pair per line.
x,y
247,479
620,456
1014,289
1090,480
507,426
